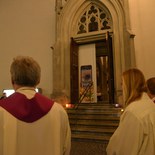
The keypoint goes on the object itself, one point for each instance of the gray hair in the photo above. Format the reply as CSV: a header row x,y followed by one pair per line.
x,y
25,71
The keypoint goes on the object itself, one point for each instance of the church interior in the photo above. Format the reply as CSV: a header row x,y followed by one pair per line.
x,y
82,47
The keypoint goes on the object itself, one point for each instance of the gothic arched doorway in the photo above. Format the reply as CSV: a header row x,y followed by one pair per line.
x,y
69,18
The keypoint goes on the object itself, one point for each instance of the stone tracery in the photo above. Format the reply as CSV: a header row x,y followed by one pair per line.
x,y
94,19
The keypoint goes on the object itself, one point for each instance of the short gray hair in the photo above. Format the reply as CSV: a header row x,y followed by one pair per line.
x,y
25,71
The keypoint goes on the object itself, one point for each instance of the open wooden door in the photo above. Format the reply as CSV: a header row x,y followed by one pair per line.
x,y
105,80
104,70
74,72
110,68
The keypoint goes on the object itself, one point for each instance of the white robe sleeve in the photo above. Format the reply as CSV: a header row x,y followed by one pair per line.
x,y
67,145
127,138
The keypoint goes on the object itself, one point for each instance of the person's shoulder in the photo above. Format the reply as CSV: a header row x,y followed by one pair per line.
x,y
1,109
58,107
58,111
141,108
4,113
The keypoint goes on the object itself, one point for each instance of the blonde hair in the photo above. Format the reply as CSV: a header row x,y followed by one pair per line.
x,y
133,85
25,71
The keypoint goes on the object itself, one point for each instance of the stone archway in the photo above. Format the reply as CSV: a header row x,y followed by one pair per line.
x,y
68,14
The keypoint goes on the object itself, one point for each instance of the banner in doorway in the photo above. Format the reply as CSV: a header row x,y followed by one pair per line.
x,y
86,84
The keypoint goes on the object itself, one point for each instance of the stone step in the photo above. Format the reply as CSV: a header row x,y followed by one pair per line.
x,y
94,111
112,117
94,105
90,137
96,123
90,129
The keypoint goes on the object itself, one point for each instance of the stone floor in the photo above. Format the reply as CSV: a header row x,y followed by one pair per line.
x,y
88,148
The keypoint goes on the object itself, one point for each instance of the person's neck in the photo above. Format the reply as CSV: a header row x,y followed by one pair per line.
x,y
16,87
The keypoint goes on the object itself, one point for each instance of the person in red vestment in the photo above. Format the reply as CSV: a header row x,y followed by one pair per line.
x,y
151,88
30,123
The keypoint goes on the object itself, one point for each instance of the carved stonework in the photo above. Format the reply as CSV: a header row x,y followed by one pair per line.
x,y
68,26
94,19
59,5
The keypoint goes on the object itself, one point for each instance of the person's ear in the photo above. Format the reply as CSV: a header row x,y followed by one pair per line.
x,y
38,82
12,81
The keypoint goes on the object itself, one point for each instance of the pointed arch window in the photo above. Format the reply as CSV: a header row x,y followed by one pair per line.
x,y
94,19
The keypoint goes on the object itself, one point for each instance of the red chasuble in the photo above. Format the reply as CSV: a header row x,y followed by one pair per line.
x,y
27,110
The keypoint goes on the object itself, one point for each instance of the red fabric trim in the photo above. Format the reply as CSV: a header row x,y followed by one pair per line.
x,y
27,110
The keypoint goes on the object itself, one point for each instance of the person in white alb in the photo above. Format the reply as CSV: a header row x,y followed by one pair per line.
x,y
30,123
135,134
